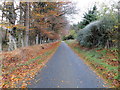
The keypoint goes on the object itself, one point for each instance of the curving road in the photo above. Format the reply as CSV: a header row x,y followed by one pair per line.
x,y
66,70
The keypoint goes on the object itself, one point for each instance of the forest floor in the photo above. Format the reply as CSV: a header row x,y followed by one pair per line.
x,y
104,62
21,65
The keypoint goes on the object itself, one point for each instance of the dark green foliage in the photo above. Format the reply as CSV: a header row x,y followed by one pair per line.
x,y
96,34
68,37
88,17
100,32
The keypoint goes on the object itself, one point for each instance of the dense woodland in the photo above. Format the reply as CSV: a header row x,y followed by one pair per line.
x,y
30,23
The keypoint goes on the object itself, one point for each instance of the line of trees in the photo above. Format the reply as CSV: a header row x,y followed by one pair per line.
x,y
99,28
29,23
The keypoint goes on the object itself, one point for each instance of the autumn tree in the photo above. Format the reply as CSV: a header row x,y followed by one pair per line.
x,y
30,23
10,14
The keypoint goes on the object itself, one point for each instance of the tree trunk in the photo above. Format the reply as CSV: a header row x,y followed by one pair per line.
x,y
12,43
0,45
22,39
11,16
1,39
37,39
21,23
47,39
27,24
1,34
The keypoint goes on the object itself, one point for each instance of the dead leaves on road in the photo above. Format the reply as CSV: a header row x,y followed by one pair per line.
x,y
21,65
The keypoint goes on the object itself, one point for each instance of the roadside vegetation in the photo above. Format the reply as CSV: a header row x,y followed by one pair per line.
x,y
97,41
103,61
72,35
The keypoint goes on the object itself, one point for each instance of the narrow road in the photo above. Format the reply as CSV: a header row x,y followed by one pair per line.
x,y
66,70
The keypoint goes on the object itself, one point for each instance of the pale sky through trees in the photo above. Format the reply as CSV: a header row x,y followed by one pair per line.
x,y
83,6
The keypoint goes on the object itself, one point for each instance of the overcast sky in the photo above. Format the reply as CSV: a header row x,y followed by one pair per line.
x,y
84,5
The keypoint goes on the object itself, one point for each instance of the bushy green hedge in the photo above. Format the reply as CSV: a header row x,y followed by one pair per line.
x,y
96,34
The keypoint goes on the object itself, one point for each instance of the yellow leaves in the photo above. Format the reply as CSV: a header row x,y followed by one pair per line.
x,y
2,24
0,77
62,81
114,40
12,77
24,85
11,26
8,27
8,3
1,81
115,26
52,12
16,79
19,26
40,15
26,72
5,85
1,85
23,74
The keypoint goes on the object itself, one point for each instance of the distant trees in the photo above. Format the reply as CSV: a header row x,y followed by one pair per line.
x,y
71,35
88,17
29,23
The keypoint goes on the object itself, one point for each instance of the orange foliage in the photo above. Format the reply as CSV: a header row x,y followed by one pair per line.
x,y
21,65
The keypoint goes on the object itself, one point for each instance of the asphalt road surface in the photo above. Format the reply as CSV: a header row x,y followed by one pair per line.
x,y
66,70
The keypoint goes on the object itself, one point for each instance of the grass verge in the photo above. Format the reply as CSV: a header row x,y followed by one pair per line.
x,y
103,61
